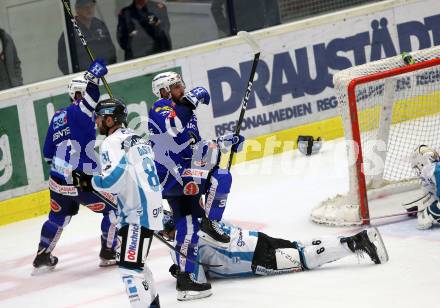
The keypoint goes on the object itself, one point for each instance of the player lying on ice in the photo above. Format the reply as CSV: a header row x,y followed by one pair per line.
x,y
255,253
425,162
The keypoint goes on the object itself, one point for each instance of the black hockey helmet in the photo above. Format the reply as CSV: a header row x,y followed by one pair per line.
x,y
112,107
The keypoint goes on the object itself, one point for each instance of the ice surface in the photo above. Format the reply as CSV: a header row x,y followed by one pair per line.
x,y
274,195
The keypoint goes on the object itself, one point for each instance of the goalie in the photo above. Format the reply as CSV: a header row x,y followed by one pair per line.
x,y
254,253
425,162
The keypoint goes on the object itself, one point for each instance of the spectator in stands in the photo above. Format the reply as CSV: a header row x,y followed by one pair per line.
x,y
250,15
143,29
96,33
10,64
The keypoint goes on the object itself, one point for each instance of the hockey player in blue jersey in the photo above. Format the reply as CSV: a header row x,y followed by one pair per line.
x,y
425,162
128,172
69,146
189,173
252,253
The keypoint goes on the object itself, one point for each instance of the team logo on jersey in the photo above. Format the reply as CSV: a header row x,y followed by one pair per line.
x,y
157,211
60,119
164,108
195,173
191,189
172,115
131,252
61,133
96,207
54,206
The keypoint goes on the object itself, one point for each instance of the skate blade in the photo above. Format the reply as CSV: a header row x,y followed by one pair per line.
x,y
42,270
212,241
376,239
107,263
191,295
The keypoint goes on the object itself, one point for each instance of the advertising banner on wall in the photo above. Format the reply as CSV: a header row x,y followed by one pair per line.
x,y
293,84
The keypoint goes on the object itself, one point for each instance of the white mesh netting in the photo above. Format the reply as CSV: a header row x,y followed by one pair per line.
x,y
396,114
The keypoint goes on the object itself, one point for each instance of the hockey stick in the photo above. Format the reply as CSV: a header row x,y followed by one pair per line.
x,y
405,205
254,45
163,240
160,238
84,42
417,200
392,215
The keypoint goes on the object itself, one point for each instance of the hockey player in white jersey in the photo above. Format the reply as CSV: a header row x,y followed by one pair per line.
x,y
425,162
255,253
128,172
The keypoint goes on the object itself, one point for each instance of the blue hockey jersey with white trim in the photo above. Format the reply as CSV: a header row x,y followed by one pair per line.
x,y
70,138
171,128
236,259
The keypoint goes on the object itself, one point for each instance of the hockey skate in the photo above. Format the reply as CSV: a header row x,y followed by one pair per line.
x,y
44,262
211,231
188,288
107,256
370,242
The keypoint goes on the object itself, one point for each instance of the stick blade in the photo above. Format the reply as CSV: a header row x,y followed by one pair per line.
x,y
247,37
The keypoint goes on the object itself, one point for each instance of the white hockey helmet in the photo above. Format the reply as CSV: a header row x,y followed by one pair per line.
x,y
165,81
77,84
423,156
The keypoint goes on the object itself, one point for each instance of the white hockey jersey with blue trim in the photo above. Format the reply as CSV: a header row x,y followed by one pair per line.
x,y
128,171
236,259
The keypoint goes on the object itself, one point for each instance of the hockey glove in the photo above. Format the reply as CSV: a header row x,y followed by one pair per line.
x,y
230,142
195,97
96,70
174,270
82,181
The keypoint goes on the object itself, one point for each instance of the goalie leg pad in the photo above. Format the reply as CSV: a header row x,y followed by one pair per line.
x,y
428,216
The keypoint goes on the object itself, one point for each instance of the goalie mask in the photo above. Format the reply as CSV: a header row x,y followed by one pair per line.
x,y
165,81
421,157
77,86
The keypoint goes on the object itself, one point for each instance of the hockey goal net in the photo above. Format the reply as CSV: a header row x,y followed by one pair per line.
x,y
388,108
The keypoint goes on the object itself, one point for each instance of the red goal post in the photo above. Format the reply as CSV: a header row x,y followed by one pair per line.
x,y
402,112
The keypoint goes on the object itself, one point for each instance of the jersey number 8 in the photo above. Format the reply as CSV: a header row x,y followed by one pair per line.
x,y
150,170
